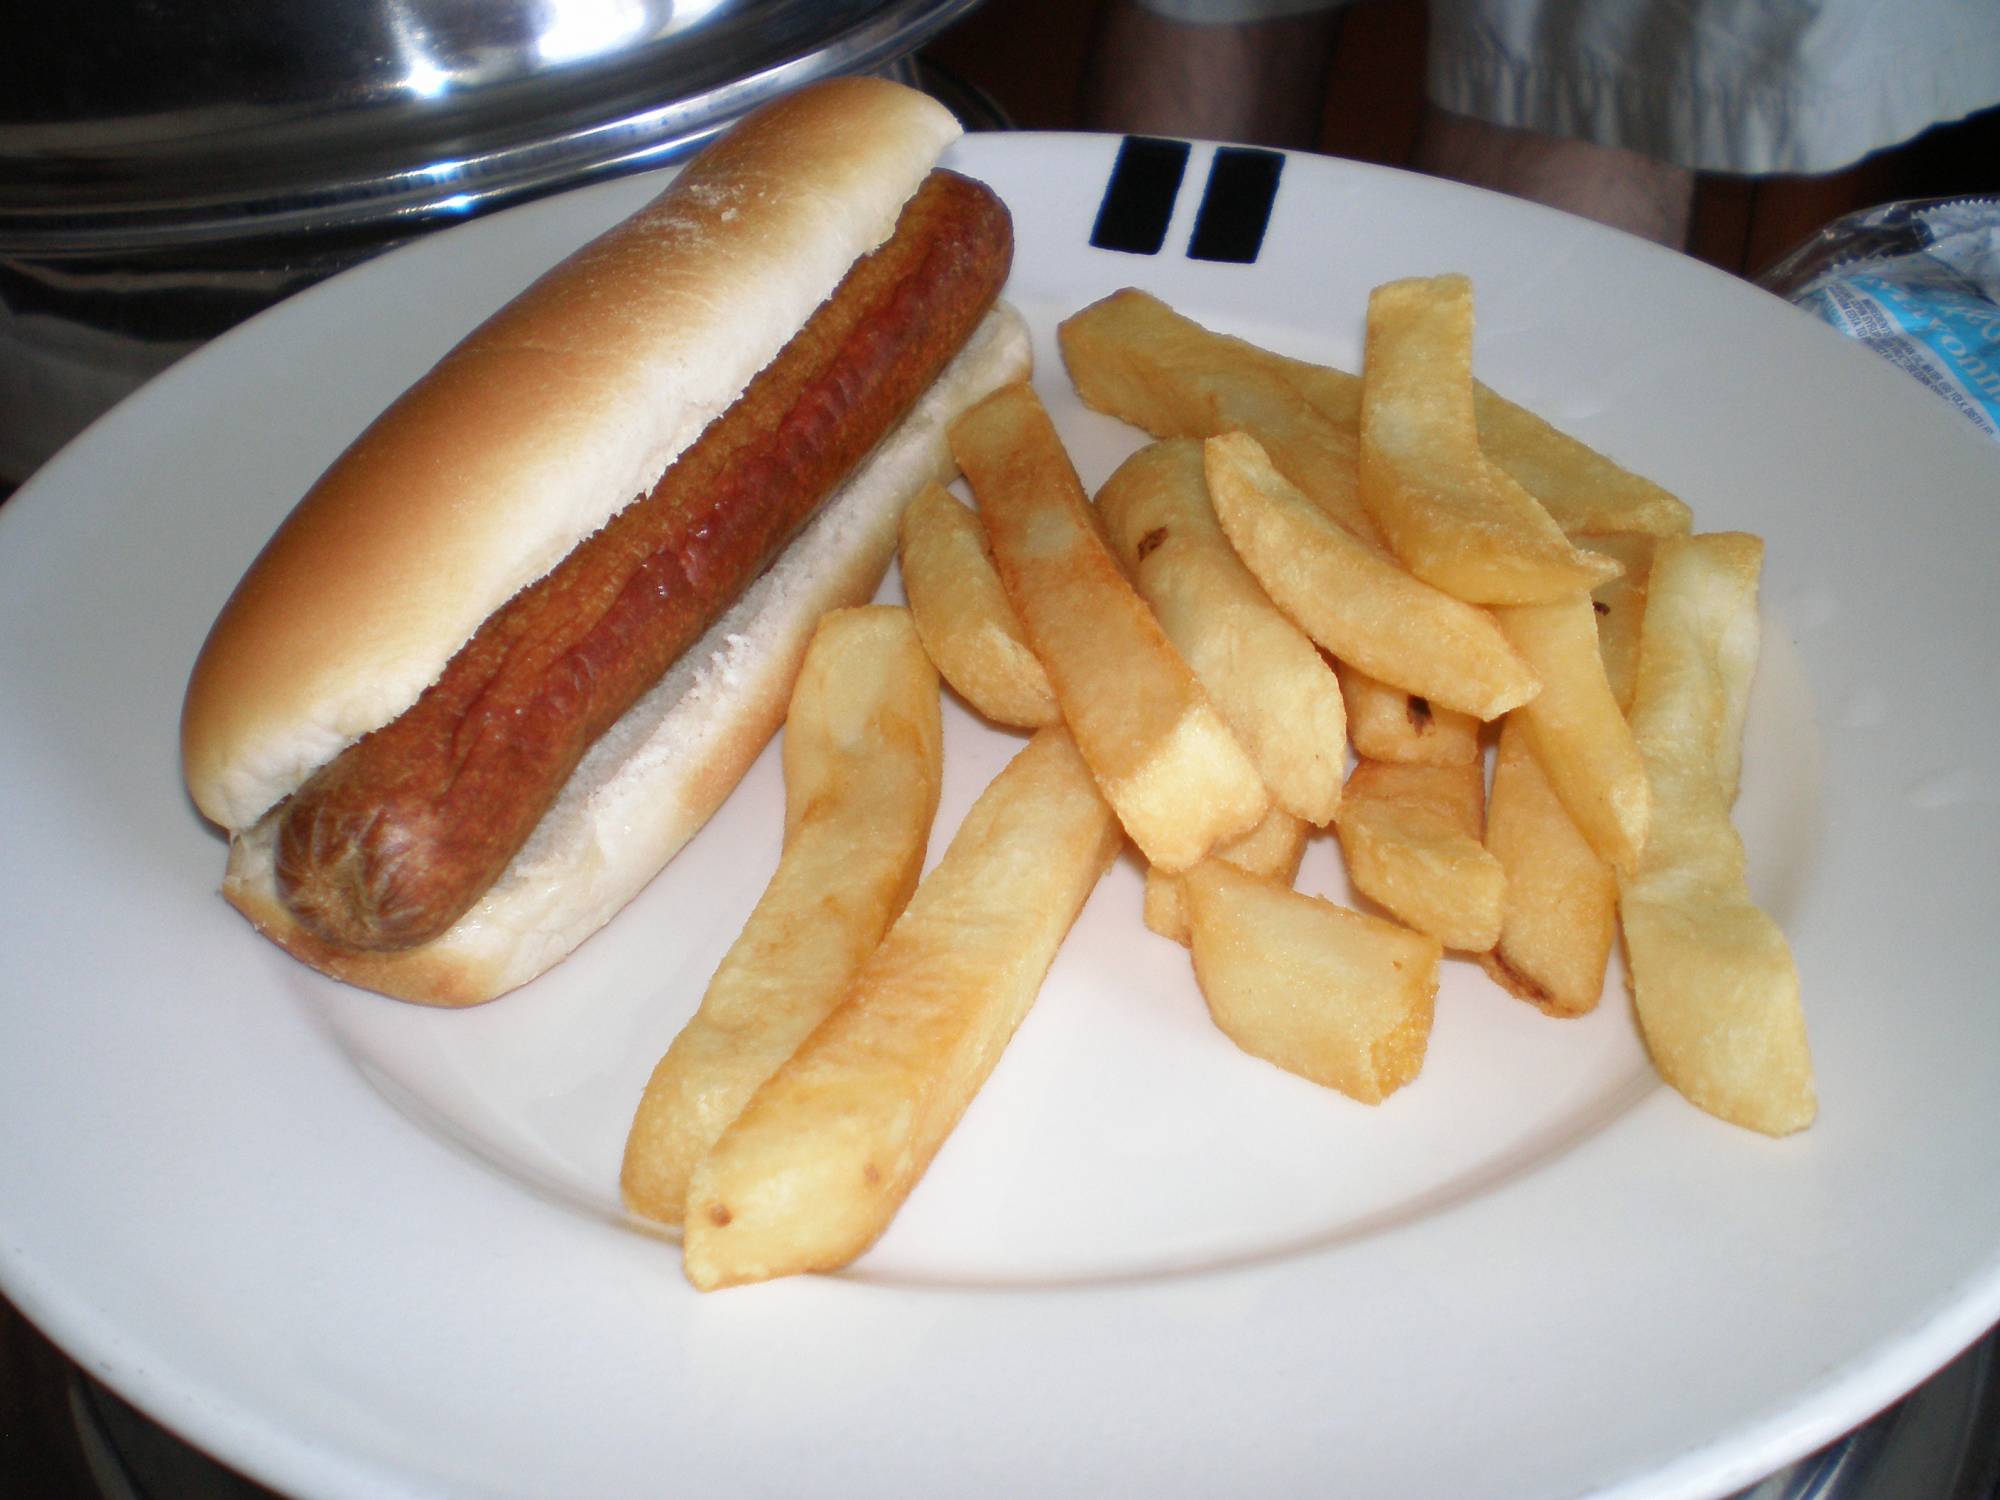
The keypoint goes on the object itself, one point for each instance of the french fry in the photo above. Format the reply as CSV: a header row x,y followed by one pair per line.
x,y
1386,723
1621,606
1332,995
1561,909
1585,493
1274,849
964,617
1411,838
1713,981
1456,519
1138,356
1581,739
1269,682
1355,600
1163,756
1588,494
1304,557
863,754
818,1162
1135,358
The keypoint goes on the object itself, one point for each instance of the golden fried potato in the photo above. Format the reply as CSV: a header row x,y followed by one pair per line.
x,y
1713,980
1330,994
1274,849
1456,519
1268,680
1578,734
1355,600
1588,494
1134,358
818,1162
863,754
1411,838
1386,723
1621,606
964,617
1163,756
1561,908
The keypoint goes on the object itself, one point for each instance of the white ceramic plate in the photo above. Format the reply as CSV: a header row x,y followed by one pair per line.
x,y
359,1248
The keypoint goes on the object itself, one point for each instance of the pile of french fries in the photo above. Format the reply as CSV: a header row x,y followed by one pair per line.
x,y
1540,671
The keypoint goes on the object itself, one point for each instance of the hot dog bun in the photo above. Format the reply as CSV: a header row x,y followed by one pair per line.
x,y
556,412
521,443
657,776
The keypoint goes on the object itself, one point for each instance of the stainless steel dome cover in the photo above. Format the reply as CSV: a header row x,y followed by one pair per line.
x,y
131,123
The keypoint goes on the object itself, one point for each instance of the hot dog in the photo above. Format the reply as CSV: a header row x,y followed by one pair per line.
x,y
523,771
393,840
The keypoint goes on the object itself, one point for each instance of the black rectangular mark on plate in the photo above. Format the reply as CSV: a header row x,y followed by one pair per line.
x,y
1236,204
1138,202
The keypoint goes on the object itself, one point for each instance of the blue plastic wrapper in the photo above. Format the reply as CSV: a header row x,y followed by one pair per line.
x,y
1919,283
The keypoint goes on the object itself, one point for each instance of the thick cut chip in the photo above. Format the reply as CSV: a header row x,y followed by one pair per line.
x,y
1134,358
817,1164
1166,760
1587,494
1262,673
1353,599
1386,723
1274,849
1575,726
1411,838
1561,910
1456,519
964,616
1713,980
863,756
1621,607
1137,358
1330,994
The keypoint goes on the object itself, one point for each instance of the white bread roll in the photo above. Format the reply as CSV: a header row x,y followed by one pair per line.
x,y
663,769
557,412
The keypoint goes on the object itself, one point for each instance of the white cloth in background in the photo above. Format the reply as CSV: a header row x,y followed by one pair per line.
x,y
1757,86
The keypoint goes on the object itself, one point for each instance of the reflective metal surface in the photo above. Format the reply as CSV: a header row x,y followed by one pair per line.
x,y
168,170
140,124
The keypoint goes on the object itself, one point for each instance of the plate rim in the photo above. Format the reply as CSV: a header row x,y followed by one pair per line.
x,y
1955,1317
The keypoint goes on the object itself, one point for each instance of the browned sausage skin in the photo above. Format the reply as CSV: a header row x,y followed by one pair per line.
x,y
395,839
